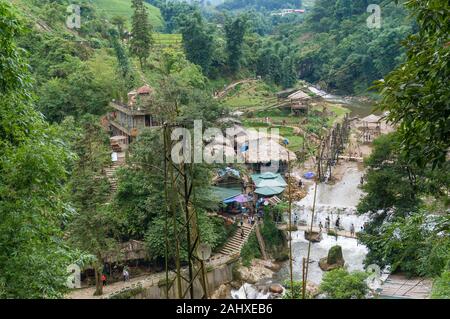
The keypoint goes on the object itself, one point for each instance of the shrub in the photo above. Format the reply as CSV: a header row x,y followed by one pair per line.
x,y
250,250
340,284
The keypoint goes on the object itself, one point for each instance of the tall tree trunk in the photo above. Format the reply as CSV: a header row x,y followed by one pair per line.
x,y
98,281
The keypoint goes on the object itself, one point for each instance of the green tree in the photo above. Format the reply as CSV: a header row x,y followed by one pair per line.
x,y
119,22
288,73
33,256
197,41
389,182
399,233
340,284
416,94
93,227
124,66
343,9
141,31
234,34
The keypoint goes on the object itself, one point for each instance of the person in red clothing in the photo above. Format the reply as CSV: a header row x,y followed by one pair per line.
x,y
104,279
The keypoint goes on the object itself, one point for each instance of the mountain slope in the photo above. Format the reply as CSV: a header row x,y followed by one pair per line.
x,y
111,8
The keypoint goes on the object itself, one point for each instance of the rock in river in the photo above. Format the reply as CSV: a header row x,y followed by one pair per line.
x,y
334,259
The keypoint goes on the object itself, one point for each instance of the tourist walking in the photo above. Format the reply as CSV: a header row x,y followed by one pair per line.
x,y
338,222
352,230
327,223
103,278
242,233
320,227
126,274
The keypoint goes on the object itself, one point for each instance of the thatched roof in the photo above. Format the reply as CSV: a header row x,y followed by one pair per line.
x,y
372,118
266,150
299,95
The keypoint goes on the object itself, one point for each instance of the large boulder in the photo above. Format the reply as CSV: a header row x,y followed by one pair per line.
x,y
276,289
313,236
255,272
334,259
223,292
275,267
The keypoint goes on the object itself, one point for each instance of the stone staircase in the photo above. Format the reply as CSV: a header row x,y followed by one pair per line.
x,y
235,243
110,174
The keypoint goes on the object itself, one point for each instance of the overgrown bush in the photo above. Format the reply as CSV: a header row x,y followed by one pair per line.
x,y
273,237
340,284
250,250
295,293
441,286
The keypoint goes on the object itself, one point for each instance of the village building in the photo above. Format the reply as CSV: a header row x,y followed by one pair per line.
x,y
126,121
371,127
297,101
260,151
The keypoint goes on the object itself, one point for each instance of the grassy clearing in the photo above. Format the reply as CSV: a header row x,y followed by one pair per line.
x,y
251,97
164,39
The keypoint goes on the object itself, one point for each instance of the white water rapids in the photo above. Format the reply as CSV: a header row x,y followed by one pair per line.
x,y
332,201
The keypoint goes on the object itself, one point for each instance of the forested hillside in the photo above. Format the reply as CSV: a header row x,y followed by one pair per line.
x,y
260,4
337,48
331,44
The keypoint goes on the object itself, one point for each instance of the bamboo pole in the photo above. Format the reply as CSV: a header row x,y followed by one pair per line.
x,y
291,267
311,229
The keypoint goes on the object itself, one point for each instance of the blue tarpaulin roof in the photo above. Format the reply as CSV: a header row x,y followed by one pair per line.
x,y
221,194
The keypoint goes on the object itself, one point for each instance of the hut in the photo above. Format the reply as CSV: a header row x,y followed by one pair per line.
x,y
370,128
263,153
228,177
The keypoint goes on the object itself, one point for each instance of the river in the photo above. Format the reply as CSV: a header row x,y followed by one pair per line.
x,y
357,106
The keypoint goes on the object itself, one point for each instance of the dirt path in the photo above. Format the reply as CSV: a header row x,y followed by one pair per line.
x,y
224,92
144,281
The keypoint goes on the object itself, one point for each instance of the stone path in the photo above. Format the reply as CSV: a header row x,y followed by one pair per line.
x,y
143,281
235,243
230,251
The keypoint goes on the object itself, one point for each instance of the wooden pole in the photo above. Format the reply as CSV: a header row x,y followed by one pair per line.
x,y
309,242
291,268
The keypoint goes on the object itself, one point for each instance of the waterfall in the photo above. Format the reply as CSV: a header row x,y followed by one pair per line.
x,y
248,291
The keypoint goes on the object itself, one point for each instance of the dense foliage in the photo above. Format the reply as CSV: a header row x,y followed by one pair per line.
x,y
404,231
250,250
93,225
260,4
417,93
339,50
340,284
33,256
141,40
